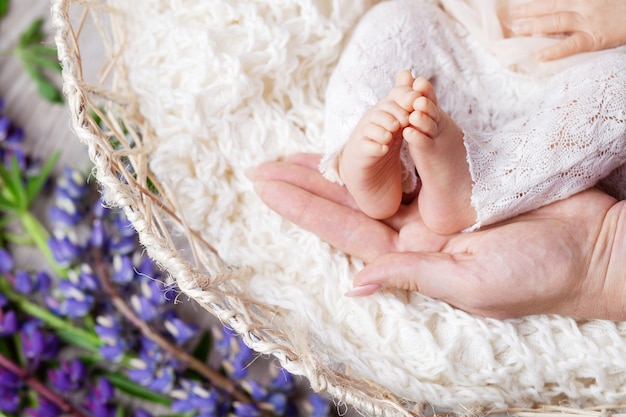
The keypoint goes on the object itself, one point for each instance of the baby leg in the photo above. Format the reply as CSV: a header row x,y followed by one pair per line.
x,y
436,145
369,163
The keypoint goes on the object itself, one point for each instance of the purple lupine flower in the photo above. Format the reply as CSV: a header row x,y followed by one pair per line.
x,y
75,308
108,330
33,341
73,183
43,281
243,353
53,304
153,290
6,261
224,340
163,380
103,390
69,376
86,279
170,292
256,390
8,323
75,302
4,301
8,379
195,398
64,250
123,225
10,385
278,402
142,372
236,369
145,266
123,245
23,282
179,329
9,400
123,270
5,125
318,406
100,209
44,409
114,351
98,236
143,307
283,382
246,410
15,136
150,351
237,358
36,344
63,217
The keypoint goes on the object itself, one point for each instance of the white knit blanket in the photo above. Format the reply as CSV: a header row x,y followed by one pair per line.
x,y
229,84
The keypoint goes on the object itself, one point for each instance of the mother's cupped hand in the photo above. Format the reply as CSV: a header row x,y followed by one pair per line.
x,y
561,258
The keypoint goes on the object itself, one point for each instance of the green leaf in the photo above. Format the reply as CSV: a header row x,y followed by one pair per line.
x,y
36,184
4,7
203,348
79,338
131,388
36,57
6,204
11,192
33,33
49,91
40,60
18,180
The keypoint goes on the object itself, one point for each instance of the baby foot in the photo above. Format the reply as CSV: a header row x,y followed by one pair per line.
x,y
369,163
436,145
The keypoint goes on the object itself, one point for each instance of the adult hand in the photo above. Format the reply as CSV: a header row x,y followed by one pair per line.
x,y
588,25
565,258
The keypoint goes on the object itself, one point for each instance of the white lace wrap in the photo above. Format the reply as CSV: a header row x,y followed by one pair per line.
x,y
530,139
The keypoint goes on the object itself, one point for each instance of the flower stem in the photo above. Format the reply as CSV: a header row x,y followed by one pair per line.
x,y
191,362
40,388
64,329
40,235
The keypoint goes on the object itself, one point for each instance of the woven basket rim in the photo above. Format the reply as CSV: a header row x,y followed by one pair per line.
x,y
373,399
141,207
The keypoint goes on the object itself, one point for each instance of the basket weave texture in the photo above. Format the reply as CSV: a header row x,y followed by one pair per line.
x,y
110,116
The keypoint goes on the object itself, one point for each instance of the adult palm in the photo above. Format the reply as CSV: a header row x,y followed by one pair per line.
x,y
561,258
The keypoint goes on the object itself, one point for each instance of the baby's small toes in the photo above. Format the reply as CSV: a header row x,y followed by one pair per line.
x,y
377,133
424,123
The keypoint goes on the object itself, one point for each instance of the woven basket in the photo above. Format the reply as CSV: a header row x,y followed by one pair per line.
x,y
105,114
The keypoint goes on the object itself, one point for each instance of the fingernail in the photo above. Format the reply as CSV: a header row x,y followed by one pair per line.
x,y
364,290
257,186
249,172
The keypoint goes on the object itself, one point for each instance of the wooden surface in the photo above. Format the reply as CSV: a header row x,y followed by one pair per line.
x,y
47,125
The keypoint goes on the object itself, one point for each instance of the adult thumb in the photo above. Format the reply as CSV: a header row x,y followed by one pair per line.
x,y
438,275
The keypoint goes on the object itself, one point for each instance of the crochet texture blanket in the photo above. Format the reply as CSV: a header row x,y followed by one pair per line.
x,y
227,85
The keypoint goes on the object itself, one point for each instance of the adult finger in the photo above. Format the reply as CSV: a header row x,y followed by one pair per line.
x,y
573,44
457,279
439,275
346,229
301,171
555,23
535,8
